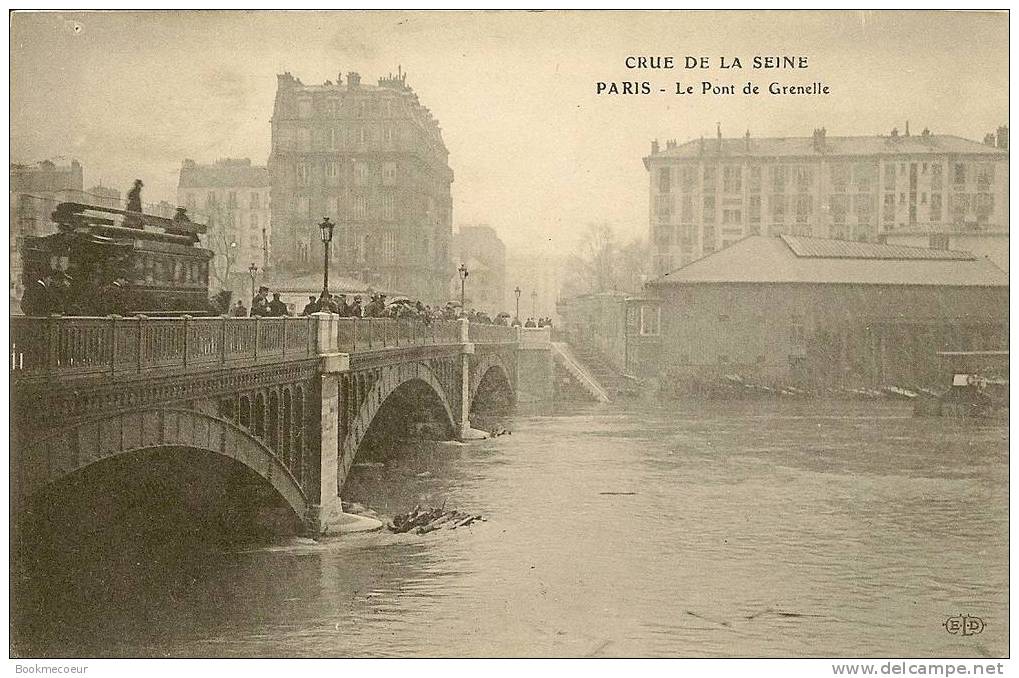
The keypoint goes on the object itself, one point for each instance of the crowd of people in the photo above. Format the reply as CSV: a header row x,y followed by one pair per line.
x,y
377,307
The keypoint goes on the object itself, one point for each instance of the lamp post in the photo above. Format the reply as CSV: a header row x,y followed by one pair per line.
x,y
534,303
462,270
253,271
327,236
516,292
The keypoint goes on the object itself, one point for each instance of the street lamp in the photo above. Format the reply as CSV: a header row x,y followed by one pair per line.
x,y
462,270
534,303
253,271
516,291
327,236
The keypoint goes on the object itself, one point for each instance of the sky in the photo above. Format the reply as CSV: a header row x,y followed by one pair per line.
x,y
535,152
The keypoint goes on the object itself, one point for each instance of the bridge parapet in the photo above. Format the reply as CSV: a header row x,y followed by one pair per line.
x,y
115,346
492,334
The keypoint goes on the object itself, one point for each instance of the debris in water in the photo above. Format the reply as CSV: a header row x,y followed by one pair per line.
x,y
500,431
625,494
428,520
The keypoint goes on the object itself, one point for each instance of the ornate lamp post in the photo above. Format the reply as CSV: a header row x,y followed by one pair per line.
x,y
327,236
516,292
534,303
252,271
462,270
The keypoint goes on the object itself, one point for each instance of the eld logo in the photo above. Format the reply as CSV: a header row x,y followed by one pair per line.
x,y
964,625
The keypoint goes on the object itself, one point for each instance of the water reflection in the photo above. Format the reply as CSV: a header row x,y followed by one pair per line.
x,y
687,529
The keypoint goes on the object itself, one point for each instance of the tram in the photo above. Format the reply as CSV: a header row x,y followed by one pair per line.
x,y
93,266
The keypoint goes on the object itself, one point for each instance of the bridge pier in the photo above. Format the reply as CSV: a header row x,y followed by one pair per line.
x,y
325,507
466,351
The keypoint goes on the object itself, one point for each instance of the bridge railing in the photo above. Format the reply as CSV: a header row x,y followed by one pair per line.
x,y
82,346
491,334
369,334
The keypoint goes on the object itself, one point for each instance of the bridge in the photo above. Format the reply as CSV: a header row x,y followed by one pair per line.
x,y
292,399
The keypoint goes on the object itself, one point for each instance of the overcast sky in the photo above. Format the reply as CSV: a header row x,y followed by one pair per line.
x,y
535,152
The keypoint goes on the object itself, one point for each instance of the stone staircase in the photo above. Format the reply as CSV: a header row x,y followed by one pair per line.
x,y
565,359
611,379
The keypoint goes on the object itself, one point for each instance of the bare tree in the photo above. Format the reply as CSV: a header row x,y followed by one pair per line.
x,y
223,247
601,264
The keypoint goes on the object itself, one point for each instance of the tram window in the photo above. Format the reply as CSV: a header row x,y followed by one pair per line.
x,y
189,272
178,272
150,271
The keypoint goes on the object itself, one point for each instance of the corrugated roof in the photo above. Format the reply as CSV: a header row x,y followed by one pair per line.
x,y
833,146
771,259
852,249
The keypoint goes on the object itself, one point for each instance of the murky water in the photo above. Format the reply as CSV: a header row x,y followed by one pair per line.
x,y
721,529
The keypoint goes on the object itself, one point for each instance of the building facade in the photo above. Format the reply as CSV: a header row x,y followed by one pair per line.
x,y
35,191
707,194
372,159
483,252
230,196
814,312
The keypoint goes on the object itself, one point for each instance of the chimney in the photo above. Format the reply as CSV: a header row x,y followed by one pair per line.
x,y
670,144
654,147
989,140
1003,137
700,147
895,132
353,79
820,139
718,126
907,128
339,78
746,140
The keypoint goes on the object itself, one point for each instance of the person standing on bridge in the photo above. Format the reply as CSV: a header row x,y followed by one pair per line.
x,y
134,204
277,308
310,307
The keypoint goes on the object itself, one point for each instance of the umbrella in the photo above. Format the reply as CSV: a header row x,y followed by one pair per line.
x,y
399,300
504,314
453,303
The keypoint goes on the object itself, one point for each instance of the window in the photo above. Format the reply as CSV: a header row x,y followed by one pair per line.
x,y
732,179
778,208
687,212
935,207
387,136
804,207
231,199
863,176
889,208
332,172
959,173
754,209
732,217
302,174
755,179
361,173
936,175
797,335
663,207
938,241
803,176
709,209
664,180
984,206
304,108
387,205
303,204
389,173
255,200
839,178
723,359
889,177
985,175
389,247
332,138
710,179
778,179
689,177
360,206
303,139
254,221
838,205
650,320
364,136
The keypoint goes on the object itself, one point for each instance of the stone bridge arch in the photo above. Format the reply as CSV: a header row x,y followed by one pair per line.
x,y
48,459
385,383
481,367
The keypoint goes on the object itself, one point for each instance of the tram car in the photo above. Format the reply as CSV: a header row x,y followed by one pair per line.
x,y
93,266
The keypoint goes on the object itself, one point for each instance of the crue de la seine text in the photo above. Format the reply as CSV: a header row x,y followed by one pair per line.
x,y
715,86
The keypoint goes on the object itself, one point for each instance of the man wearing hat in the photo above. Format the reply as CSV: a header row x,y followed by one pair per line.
x,y
260,303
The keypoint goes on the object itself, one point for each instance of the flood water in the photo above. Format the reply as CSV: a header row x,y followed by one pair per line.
x,y
767,528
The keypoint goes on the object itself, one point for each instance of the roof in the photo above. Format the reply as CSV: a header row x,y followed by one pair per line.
x,y
832,146
223,174
798,259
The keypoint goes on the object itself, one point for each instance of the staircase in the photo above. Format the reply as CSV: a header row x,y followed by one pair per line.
x,y
614,382
564,357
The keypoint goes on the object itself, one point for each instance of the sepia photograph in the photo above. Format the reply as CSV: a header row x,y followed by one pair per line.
x,y
510,334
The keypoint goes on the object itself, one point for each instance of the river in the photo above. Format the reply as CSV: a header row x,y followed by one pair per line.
x,y
754,528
